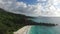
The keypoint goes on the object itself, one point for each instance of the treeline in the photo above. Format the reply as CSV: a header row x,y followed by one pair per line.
x,y
10,22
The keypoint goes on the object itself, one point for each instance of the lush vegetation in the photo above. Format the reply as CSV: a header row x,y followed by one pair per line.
x,y
10,22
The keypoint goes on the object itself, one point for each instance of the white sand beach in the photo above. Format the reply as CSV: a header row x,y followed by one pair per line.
x,y
23,30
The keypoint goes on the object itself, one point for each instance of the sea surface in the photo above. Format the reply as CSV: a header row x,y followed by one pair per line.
x,y
45,29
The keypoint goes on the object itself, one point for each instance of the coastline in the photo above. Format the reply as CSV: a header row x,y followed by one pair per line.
x,y
24,30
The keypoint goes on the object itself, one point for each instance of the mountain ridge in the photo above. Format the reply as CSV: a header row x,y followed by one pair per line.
x,y
10,22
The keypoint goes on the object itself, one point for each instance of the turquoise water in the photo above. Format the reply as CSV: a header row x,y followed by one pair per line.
x,y
44,30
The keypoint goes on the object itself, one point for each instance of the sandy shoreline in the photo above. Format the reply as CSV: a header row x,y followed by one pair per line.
x,y
23,30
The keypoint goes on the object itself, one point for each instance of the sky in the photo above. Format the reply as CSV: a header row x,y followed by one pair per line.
x,y
28,1
34,8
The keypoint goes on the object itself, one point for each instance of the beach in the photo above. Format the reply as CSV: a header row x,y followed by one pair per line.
x,y
24,30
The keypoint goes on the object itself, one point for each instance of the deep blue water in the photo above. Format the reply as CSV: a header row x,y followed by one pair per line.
x,y
44,29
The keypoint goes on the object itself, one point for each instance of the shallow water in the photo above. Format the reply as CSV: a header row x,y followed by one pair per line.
x,y
45,30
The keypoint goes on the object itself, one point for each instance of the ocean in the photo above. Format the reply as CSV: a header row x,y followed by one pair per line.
x,y
45,29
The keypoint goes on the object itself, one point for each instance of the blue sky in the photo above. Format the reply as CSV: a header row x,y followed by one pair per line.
x,y
28,1
43,2
34,9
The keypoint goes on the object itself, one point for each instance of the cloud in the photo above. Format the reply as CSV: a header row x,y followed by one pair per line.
x,y
33,10
41,0
30,10
20,7
6,4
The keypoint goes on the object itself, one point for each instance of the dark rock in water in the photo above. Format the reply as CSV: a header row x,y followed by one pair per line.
x,y
48,24
41,24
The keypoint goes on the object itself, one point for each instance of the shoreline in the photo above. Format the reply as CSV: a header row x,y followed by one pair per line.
x,y
23,30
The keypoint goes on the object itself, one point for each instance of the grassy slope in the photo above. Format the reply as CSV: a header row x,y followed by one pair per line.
x,y
10,22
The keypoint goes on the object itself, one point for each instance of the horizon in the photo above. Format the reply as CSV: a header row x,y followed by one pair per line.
x,y
34,8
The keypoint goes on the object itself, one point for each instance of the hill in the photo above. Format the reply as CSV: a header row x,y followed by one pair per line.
x,y
10,22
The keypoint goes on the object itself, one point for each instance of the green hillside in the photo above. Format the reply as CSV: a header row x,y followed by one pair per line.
x,y
10,22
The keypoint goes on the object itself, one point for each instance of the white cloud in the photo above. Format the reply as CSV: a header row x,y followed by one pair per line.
x,y
41,0
29,10
7,4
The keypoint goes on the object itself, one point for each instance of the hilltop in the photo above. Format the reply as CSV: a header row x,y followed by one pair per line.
x,y
10,22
